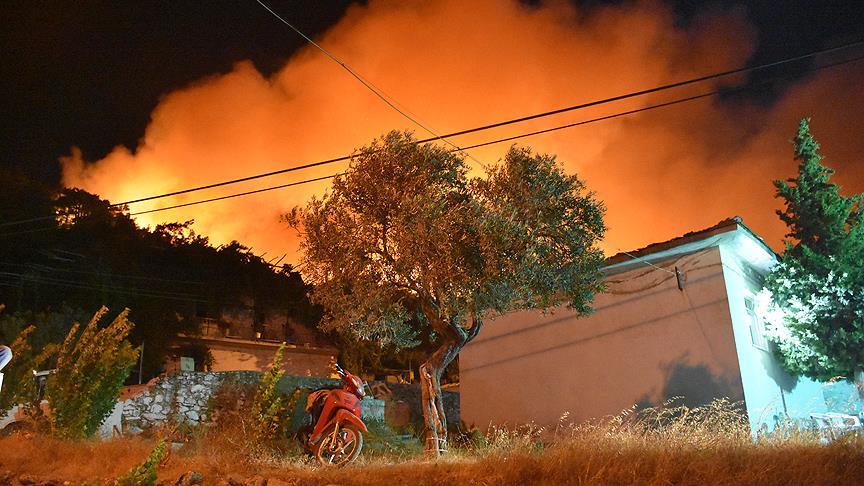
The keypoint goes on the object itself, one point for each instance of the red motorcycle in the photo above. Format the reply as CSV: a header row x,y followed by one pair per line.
x,y
334,430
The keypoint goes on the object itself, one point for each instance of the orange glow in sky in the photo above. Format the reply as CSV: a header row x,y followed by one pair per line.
x,y
461,64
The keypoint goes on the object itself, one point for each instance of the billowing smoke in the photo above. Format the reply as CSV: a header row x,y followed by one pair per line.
x,y
459,64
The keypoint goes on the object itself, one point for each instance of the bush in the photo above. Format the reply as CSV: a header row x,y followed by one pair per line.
x,y
145,474
270,406
18,384
91,368
384,442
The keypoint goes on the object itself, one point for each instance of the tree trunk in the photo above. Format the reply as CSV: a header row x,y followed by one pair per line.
x,y
859,383
432,401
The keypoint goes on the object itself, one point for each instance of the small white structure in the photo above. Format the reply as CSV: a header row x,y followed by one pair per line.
x,y
647,341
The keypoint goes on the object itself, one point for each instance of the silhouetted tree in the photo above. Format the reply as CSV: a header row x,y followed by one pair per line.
x,y
79,253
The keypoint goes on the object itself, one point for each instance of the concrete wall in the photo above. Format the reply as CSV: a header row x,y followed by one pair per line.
x,y
402,405
241,355
645,343
771,394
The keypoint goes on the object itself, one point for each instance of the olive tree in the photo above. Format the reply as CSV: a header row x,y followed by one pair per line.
x,y
407,247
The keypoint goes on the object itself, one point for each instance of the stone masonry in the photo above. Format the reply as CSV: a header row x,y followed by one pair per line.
x,y
184,397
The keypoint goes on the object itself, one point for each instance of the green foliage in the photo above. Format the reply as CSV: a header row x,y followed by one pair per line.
x,y
145,473
18,384
91,367
816,308
408,249
270,406
382,441
406,242
33,347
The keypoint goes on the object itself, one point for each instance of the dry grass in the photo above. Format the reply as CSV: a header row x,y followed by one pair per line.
x,y
709,445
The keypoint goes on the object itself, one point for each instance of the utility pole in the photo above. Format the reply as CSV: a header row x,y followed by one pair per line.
x,y
140,362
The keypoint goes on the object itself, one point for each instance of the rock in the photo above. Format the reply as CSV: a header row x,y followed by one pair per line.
x,y
190,478
278,482
27,479
234,480
192,415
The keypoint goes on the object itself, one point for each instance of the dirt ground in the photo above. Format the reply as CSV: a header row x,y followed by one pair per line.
x,y
37,460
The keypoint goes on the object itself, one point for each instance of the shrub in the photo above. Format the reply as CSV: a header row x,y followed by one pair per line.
x,y
18,384
384,442
145,473
270,406
91,367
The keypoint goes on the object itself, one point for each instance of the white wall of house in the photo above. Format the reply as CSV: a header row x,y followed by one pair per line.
x,y
770,393
646,342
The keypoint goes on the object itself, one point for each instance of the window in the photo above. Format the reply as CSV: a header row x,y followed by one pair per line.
x,y
756,324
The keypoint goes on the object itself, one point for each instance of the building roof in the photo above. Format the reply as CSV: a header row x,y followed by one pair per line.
x,y
729,224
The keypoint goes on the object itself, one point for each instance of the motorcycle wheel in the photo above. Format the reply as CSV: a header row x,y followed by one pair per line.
x,y
342,449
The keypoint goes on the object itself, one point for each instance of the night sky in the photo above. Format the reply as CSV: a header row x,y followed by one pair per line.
x,y
90,74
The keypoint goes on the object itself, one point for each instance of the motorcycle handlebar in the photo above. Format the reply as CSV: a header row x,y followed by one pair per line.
x,y
340,370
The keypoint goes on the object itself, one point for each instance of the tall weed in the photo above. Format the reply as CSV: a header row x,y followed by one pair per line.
x,y
91,367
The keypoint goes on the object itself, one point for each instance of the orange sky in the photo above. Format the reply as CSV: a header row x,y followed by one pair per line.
x,y
459,64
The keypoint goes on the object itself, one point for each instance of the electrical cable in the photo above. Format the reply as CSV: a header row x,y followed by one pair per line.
x,y
501,140
49,268
230,196
512,121
84,286
515,137
369,85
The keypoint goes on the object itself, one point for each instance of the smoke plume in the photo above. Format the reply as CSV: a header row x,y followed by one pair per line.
x,y
460,64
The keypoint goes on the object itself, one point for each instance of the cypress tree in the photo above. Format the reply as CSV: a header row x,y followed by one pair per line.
x,y
817,289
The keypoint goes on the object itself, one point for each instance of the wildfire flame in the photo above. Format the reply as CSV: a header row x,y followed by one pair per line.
x,y
461,64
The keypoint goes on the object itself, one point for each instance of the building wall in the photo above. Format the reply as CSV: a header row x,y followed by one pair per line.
x,y
646,342
239,355
770,393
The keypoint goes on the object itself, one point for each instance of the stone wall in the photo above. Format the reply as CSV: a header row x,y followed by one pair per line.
x,y
184,397
402,405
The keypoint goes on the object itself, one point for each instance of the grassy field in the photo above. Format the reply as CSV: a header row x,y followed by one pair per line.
x,y
701,446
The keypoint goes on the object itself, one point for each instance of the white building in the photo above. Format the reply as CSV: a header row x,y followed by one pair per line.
x,y
646,342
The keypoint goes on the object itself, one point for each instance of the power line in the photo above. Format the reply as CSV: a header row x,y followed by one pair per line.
x,y
520,136
368,84
48,268
511,121
640,259
230,196
27,232
482,144
115,289
50,279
